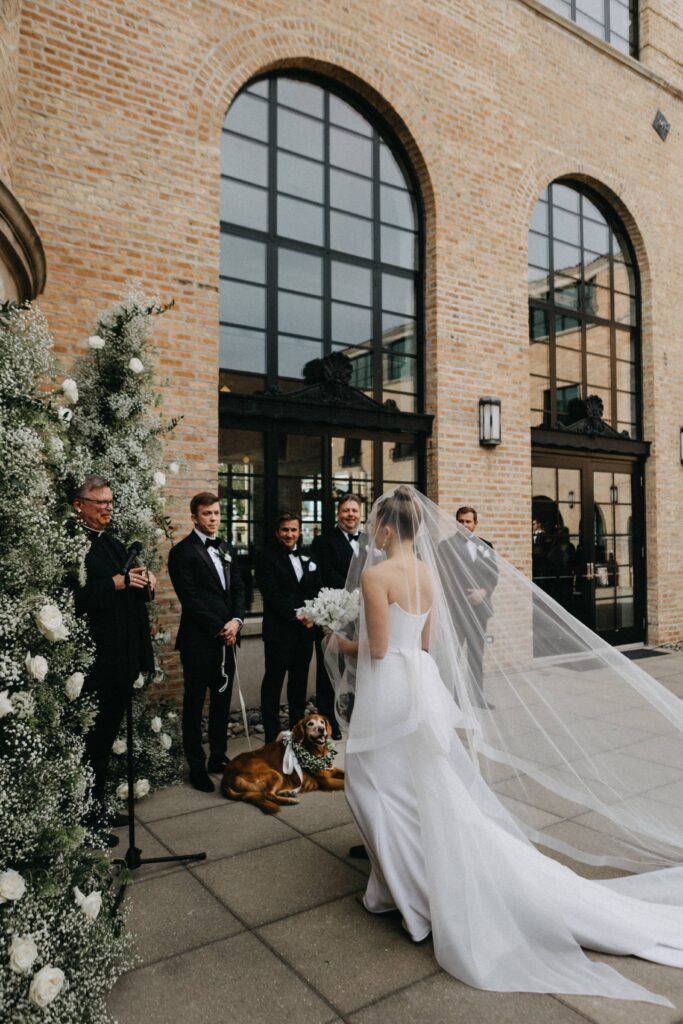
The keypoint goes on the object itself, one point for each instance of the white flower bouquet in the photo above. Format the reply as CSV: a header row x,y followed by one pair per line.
x,y
332,609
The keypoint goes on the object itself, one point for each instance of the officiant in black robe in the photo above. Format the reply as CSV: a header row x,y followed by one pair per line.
x,y
334,551
114,605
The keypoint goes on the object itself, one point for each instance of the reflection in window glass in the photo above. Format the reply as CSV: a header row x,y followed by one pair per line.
x,y
244,205
300,177
582,316
296,219
611,20
300,272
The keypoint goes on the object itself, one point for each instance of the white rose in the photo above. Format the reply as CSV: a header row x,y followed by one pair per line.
x,y
6,706
155,724
136,365
12,885
119,746
91,904
159,478
139,682
158,532
171,716
51,623
94,341
165,741
36,666
141,788
122,791
74,685
45,986
70,390
22,954
174,467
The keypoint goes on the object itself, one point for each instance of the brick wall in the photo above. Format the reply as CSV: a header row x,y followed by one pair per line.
x,y
120,108
10,11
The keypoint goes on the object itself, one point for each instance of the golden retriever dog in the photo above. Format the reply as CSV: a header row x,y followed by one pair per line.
x,y
258,776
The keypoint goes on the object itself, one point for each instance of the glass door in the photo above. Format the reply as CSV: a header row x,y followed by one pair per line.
x,y
588,542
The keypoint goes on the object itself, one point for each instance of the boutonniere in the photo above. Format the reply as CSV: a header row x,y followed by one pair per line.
x,y
484,550
312,567
304,558
227,557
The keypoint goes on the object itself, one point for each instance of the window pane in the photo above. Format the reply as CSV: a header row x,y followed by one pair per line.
x,y
244,205
389,169
595,237
625,345
598,371
624,309
300,272
258,88
400,370
400,462
566,257
562,7
624,278
619,18
596,28
568,294
242,304
539,218
349,192
351,283
300,134
538,324
398,294
241,257
626,407
297,314
241,349
626,376
300,177
241,158
294,353
598,339
538,250
301,95
568,366
394,327
351,325
350,152
296,219
248,116
568,331
565,198
539,359
594,8
567,226
343,114
396,207
350,234
398,247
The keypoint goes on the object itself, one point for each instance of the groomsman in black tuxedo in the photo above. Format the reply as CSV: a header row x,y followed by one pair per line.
x,y
113,603
473,556
334,552
207,580
286,578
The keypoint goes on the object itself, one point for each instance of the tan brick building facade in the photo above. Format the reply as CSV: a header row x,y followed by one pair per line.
x,y
113,147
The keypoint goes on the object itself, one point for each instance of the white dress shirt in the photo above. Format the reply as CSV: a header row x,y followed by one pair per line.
x,y
472,549
352,540
215,556
298,567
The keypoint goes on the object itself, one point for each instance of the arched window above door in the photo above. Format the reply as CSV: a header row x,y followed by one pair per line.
x,y
584,304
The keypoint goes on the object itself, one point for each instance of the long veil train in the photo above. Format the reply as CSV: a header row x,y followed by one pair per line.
x,y
561,741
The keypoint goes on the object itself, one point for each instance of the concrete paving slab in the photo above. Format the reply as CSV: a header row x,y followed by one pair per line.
x,y
222,831
166,803
339,841
173,914
531,792
236,980
665,981
350,956
534,816
443,1000
317,811
264,885
149,846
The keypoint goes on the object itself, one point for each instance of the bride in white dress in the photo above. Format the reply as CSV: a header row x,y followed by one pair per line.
x,y
451,854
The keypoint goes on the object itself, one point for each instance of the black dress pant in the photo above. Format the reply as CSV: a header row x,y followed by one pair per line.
x,y
289,658
324,691
111,703
472,634
202,670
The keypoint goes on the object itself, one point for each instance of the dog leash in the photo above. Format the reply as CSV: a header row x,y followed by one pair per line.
x,y
224,687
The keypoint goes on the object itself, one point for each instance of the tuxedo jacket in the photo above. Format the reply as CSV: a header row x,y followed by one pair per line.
x,y
282,593
480,573
333,553
118,619
206,605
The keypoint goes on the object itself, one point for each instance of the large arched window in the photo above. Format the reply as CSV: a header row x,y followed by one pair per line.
x,y
320,255
319,244
583,311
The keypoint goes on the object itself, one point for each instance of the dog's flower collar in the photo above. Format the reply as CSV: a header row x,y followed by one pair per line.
x,y
297,757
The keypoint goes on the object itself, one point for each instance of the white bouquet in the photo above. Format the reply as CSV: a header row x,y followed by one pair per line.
x,y
332,609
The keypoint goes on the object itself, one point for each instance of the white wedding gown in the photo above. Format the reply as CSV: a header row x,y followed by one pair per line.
x,y
445,852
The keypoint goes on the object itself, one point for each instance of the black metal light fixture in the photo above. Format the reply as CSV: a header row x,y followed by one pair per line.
x,y
661,125
680,444
613,494
489,421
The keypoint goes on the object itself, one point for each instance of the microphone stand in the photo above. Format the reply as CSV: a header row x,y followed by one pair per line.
x,y
134,858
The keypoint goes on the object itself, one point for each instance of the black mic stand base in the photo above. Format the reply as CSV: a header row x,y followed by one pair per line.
x,y
133,857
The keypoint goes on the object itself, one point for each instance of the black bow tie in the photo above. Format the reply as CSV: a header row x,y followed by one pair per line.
x,y
213,542
353,536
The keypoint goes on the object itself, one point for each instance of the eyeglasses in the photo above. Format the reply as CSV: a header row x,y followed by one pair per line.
x,y
109,503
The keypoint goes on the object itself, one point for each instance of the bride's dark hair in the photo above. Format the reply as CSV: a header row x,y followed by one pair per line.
x,y
400,511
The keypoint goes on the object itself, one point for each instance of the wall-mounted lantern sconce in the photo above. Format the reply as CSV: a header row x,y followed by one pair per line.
x,y
613,494
570,499
489,421
680,444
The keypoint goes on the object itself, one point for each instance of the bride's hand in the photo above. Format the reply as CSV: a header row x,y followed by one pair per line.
x,y
345,645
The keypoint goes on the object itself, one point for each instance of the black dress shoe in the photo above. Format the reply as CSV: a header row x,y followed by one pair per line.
x,y
217,764
110,840
202,782
336,734
359,852
120,821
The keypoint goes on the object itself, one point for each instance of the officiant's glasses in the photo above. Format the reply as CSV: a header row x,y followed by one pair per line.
x,y
106,503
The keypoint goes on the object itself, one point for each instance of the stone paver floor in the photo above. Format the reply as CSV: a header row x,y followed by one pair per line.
x,y
270,927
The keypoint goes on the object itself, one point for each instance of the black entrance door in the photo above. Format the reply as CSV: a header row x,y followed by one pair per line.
x,y
588,542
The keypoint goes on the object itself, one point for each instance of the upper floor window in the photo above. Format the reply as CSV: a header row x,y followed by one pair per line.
x,y
615,21
583,311
319,243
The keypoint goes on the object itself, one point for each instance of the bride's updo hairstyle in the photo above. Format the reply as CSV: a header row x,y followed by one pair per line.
x,y
400,511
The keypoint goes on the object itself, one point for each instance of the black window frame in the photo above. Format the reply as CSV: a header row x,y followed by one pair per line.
x,y
634,35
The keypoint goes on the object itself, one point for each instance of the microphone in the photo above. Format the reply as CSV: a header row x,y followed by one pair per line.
x,y
133,552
